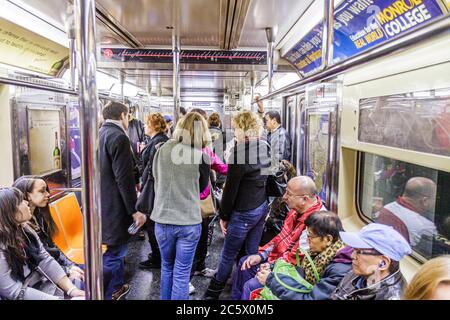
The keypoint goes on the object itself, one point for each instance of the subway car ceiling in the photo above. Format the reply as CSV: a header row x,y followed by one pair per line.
x,y
375,98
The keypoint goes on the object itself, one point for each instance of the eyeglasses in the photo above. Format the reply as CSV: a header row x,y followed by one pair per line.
x,y
366,252
290,195
311,236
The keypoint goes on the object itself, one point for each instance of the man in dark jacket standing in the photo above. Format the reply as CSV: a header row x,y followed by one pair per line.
x,y
277,137
118,194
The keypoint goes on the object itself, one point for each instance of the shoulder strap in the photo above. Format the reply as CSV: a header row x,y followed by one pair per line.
x,y
311,262
302,281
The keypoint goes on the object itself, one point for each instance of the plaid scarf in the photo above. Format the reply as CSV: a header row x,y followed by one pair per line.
x,y
285,244
321,261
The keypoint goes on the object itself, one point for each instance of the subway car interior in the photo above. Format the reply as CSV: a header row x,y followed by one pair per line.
x,y
362,88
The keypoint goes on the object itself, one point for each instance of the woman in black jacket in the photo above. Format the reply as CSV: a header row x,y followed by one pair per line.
x,y
155,128
244,203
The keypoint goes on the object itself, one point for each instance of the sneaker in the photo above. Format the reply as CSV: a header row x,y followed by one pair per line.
x,y
122,292
191,288
207,273
150,264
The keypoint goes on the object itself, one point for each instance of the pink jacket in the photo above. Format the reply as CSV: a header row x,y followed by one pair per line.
x,y
216,165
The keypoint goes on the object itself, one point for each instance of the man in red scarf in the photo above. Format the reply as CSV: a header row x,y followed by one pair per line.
x,y
301,198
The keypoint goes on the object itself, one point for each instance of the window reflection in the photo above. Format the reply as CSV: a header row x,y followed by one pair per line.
x,y
411,198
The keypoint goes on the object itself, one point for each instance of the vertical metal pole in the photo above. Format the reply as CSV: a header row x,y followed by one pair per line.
x,y
90,164
327,34
176,74
73,59
122,85
252,88
270,48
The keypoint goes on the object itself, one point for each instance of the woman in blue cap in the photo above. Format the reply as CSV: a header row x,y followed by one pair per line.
x,y
375,275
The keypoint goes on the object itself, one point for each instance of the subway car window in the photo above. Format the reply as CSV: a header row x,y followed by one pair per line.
x,y
411,198
418,121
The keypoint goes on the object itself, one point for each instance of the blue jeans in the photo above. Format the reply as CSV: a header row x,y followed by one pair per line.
x,y
177,245
107,275
114,259
243,227
244,281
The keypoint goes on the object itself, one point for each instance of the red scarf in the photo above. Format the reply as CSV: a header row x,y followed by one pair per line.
x,y
285,244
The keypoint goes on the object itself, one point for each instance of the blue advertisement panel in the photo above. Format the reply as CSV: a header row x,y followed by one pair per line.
x,y
361,24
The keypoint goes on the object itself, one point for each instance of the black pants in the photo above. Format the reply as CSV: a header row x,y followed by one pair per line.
x,y
202,248
156,254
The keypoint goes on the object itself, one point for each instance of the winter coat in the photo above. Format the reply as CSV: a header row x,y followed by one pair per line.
x,y
118,190
329,279
390,288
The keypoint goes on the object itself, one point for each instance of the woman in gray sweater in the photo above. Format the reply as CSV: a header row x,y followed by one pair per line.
x,y
181,170
23,259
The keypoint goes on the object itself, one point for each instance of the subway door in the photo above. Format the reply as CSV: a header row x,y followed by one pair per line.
x,y
320,144
289,123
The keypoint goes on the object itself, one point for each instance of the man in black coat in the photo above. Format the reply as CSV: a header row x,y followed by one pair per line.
x,y
118,194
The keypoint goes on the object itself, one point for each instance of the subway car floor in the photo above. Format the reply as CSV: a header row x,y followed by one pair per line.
x,y
145,284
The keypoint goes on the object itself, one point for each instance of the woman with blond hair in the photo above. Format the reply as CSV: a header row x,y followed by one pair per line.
x,y
431,282
180,173
244,202
155,127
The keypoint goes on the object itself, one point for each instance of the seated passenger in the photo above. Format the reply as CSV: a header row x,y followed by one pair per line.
x,y
27,271
330,256
302,200
375,275
36,192
431,282
408,214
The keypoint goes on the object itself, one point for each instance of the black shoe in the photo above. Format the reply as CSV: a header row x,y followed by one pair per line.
x,y
214,290
150,264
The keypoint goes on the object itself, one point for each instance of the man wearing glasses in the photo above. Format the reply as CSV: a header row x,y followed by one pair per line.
x,y
302,200
375,275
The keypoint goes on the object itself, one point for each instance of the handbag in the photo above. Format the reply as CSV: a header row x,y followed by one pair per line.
x,y
207,207
276,185
146,198
287,270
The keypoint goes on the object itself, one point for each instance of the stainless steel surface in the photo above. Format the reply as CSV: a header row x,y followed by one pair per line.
x,y
270,34
73,69
327,33
232,16
27,84
270,13
176,75
410,38
90,164
116,28
68,189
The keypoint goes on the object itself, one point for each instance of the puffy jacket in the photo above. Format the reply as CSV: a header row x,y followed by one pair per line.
x,y
329,279
390,288
217,165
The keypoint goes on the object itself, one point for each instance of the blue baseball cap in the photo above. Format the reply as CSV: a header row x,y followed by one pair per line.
x,y
167,118
383,238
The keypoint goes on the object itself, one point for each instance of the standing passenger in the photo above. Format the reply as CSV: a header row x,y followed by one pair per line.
x,y
277,137
118,194
244,202
155,128
180,174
